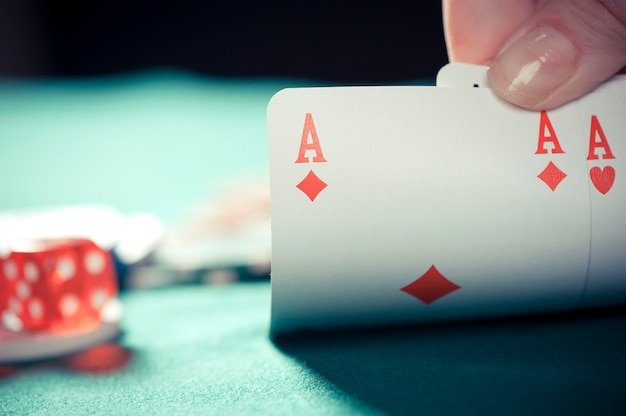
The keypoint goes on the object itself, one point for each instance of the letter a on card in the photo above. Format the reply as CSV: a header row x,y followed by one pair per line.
x,y
314,145
595,130
545,124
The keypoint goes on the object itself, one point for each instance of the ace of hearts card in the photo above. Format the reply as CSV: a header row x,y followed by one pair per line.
x,y
396,205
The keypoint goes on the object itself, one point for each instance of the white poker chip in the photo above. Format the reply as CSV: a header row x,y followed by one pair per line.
x,y
230,230
133,237
16,347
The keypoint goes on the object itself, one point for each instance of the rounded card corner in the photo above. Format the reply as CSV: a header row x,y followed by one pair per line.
x,y
277,97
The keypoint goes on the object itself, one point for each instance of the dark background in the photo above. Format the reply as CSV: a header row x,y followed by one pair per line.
x,y
333,41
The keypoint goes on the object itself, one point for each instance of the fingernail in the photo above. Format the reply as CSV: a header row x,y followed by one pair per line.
x,y
533,66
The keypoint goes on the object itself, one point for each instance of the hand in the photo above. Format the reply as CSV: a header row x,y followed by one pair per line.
x,y
542,53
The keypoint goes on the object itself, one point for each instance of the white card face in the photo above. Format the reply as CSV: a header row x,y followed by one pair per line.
x,y
615,86
420,183
602,117
461,75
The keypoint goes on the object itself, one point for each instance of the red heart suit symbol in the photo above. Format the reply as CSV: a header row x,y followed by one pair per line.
x,y
603,178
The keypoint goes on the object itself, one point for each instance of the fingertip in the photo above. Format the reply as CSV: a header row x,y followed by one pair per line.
x,y
565,50
531,69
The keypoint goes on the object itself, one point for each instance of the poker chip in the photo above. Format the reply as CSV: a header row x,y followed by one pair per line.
x,y
129,238
225,240
58,283
16,347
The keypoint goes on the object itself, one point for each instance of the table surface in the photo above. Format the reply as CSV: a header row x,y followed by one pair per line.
x,y
155,142
205,350
160,142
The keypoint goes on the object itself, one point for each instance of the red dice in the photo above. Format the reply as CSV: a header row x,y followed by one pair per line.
x,y
59,286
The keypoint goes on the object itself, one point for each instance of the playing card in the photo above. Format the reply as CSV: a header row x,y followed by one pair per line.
x,y
604,126
456,74
615,86
409,204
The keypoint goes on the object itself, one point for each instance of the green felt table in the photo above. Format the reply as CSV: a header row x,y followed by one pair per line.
x,y
205,350
160,142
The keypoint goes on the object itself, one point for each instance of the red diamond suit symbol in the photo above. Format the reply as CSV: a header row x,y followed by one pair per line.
x,y
552,176
430,286
311,185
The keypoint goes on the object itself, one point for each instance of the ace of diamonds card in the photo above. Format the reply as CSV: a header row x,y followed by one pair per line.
x,y
415,204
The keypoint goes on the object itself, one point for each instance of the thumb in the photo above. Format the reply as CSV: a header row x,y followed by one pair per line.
x,y
566,49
